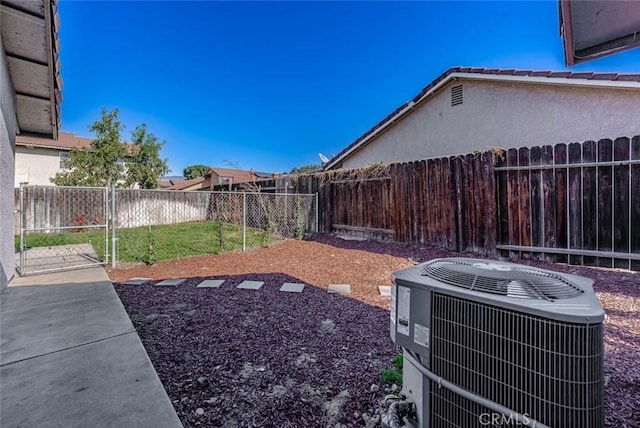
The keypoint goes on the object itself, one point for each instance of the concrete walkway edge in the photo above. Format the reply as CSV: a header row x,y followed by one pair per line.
x,y
70,357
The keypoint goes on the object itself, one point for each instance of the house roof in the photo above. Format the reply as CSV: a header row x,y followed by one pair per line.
x,y
566,78
184,184
65,141
237,175
30,39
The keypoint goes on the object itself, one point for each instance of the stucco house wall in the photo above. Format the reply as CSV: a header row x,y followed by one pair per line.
x,y
7,158
36,165
503,114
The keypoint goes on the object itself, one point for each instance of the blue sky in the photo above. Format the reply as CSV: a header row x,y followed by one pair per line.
x,y
269,85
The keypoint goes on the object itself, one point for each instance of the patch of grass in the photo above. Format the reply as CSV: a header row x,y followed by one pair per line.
x,y
150,244
393,375
33,240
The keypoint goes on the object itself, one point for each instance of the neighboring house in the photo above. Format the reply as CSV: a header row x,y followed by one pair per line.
x,y
38,159
215,177
468,109
184,184
166,182
30,98
218,176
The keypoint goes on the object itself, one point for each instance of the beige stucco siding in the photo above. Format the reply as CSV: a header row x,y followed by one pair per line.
x,y
36,165
7,147
504,114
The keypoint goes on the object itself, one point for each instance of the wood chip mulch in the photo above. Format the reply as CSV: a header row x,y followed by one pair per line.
x,y
234,357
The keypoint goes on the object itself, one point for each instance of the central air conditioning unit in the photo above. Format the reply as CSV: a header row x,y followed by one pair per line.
x,y
490,343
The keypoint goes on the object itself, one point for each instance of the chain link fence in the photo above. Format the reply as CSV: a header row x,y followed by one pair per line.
x,y
160,225
130,226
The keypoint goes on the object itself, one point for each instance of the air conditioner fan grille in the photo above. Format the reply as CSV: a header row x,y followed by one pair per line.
x,y
503,279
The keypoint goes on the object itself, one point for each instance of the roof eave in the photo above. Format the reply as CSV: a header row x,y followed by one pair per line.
x,y
450,76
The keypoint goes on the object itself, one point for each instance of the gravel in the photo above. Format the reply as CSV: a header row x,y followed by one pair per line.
x,y
232,357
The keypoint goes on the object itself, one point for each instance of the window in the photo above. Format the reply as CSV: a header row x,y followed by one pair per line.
x,y
64,158
456,95
225,180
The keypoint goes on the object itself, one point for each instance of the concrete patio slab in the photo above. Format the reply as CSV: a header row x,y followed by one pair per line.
x,y
211,283
106,383
291,287
171,283
251,285
41,319
343,289
70,357
137,281
384,290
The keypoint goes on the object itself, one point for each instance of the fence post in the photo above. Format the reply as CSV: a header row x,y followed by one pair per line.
x,y
244,221
106,224
22,223
317,213
114,220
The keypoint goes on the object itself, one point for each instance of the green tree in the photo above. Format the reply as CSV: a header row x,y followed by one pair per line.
x,y
306,168
194,171
103,164
144,165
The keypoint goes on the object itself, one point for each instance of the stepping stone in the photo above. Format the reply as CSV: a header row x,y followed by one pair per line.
x,y
137,281
251,285
211,283
171,283
291,287
384,290
343,289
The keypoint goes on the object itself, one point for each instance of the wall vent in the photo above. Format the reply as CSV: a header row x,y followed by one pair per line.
x,y
456,95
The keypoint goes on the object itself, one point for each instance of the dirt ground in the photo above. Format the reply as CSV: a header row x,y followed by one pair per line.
x,y
234,357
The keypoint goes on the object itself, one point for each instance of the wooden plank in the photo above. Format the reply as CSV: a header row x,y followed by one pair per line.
x,y
634,233
398,201
471,204
430,184
502,236
536,201
489,192
549,200
457,183
621,201
560,158
437,175
589,202
448,203
362,229
605,198
395,191
444,203
574,215
513,201
420,201
413,202
479,206
426,202
525,200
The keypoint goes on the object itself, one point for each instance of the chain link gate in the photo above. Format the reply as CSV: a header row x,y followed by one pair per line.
x,y
62,228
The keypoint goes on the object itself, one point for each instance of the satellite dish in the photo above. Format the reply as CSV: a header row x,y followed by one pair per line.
x,y
323,158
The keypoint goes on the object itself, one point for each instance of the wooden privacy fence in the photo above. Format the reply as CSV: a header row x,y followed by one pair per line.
x,y
447,202
577,203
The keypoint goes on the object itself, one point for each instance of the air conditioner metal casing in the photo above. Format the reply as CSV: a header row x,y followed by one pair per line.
x,y
541,358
